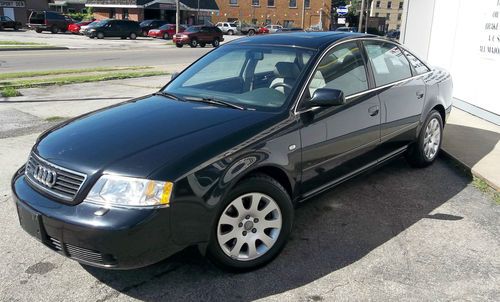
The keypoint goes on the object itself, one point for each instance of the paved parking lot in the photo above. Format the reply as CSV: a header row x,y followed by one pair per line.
x,y
394,234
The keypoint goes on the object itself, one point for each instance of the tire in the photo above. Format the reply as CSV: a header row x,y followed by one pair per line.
x,y
38,30
193,43
215,43
203,44
100,35
166,36
230,32
251,32
132,36
262,202
179,45
425,150
54,29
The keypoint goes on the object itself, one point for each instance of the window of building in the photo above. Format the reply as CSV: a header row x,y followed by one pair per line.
x,y
388,16
255,2
270,3
292,3
233,2
400,5
389,4
342,68
307,3
125,14
400,16
377,15
389,63
377,5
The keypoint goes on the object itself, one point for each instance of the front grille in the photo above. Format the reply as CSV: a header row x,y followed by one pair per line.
x,y
81,254
57,181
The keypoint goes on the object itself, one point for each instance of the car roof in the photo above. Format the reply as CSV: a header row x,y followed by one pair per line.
x,y
313,40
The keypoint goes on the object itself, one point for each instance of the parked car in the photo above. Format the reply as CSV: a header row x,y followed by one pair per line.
x,y
147,25
49,21
199,35
75,27
289,30
114,28
263,30
219,157
347,29
227,28
6,22
273,28
166,31
84,28
247,29
393,34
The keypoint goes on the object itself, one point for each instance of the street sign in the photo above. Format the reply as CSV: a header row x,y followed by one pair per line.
x,y
342,10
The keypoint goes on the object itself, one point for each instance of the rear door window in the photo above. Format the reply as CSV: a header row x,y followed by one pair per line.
x,y
418,65
389,63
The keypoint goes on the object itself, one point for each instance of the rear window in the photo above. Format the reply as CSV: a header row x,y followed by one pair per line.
x,y
419,67
146,22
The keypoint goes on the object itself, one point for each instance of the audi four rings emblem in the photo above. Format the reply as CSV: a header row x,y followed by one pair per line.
x,y
45,175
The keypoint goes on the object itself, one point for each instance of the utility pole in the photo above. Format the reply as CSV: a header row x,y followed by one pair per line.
x,y
361,13
198,14
368,11
177,16
303,11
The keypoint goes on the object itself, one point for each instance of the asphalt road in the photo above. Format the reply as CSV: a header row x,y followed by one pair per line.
x,y
395,234
14,61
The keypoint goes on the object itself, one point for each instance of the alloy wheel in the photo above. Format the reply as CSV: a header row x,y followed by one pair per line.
x,y
432,139
249,226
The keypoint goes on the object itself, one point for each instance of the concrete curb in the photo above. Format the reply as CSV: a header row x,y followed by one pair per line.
x,y
34,48
467,169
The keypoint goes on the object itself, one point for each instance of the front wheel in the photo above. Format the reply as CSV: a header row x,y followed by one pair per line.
x,y
252,226
166,36
215,42
251,32
425,150
100,35
193,43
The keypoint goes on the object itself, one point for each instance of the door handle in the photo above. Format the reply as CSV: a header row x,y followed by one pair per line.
x,y
420,94
373,111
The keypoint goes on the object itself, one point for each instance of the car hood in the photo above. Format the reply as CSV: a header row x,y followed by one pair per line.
x,y
141,136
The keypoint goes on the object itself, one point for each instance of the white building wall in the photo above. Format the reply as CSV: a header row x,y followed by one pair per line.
x,y
450,33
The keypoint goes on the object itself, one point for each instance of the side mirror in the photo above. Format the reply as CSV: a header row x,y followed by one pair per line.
x,y
326,97
174,75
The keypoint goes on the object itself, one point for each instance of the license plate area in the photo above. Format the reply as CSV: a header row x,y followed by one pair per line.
x,y
31,222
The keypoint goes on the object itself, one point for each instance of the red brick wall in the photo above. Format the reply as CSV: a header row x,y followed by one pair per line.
x,y
281,11
135,14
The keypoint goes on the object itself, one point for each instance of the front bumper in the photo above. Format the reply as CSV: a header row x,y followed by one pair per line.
x,y
122,238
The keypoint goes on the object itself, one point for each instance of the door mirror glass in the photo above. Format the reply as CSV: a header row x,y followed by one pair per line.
x,y
326,97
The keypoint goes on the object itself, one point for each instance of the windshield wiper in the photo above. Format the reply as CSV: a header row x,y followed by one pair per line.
x,y
169,95
214,101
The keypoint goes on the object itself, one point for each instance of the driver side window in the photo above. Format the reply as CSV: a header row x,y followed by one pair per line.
x,y
342,68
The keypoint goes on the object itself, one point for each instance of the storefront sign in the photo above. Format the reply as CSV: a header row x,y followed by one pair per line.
x,y
12,4
489,46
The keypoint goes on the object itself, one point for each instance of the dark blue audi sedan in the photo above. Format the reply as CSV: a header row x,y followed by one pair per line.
x,y
219,157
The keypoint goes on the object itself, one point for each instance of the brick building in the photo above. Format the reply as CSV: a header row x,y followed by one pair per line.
x,y
288,13
392,11
191,11
19,10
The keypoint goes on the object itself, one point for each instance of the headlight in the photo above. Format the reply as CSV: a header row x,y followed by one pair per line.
x,y
128,191
90,29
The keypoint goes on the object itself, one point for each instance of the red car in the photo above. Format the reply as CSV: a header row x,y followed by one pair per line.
x,y
75,27
199,35
263,30
166,31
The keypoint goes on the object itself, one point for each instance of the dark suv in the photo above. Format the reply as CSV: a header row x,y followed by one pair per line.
x,y
199,35
49,21
6,22
114,28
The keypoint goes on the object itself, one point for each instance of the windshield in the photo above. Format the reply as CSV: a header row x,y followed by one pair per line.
x,y
260,77
193,29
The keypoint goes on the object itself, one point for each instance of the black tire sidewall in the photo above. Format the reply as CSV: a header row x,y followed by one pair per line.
x,y
261,185
193,43
215,43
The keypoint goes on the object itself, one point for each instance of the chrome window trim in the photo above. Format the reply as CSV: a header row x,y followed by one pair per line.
x,y
48,190
326,51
